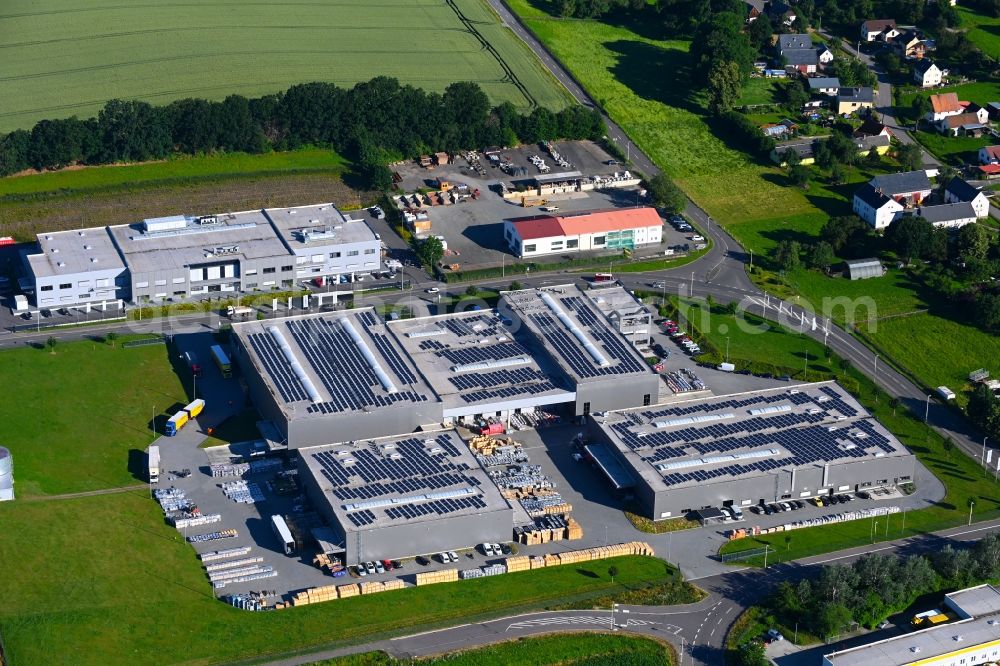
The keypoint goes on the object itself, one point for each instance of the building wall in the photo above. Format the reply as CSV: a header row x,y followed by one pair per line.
x,y
57,291
879,219
262,398
930,78
616,393
236,273
382,422
337,259
536,247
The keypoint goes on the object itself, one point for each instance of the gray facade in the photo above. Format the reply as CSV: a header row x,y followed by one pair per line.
x,y
751,448
76,267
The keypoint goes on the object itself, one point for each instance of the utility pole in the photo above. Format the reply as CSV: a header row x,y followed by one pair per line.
x,y
927,410
692,285
765,555
751,261
875,378
972,503
727,349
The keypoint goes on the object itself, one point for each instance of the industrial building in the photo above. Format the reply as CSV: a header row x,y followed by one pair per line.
x,y
615,230
6,475
353,374
972,639
402,496
745,449
179,257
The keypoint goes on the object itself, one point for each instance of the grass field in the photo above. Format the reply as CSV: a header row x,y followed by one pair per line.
x,y
758,90
63,443
561,650
70,56
180,168
101,580
983,31
954,149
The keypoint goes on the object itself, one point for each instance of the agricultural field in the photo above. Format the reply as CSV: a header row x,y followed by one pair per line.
x,y
582,649
983,31
63,443
68,57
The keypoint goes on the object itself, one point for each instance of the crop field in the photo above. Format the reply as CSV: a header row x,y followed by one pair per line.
x,y
67,57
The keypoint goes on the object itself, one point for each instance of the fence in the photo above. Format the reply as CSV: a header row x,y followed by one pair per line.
x,y
144,342
743,555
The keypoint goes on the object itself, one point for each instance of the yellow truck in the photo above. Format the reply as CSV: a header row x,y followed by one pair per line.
x,y
929,619
529,202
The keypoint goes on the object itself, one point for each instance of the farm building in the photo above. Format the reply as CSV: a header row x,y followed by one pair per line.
x,y
875,207
944,105
402,496
616,230
948,215
351,373
748,448
962,124
908,186
862,269
179,257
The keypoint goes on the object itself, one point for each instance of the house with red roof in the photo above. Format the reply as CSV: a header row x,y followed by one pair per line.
x,y
614,230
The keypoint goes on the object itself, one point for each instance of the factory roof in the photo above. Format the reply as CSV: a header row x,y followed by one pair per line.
x,y
478,365
747,434
980,604
71,252
306,227
537,226
574,333
173,244
329,363
393,481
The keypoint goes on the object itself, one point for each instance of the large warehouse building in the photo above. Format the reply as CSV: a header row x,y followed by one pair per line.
x,y
617,230
402,496
349,375
179,257
746,449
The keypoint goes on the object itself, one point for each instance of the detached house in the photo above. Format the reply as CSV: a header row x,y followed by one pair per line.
x,y
878,30
926,74
909,187
823,85
872,127
754,9
944,105
875,207
989,155
981,114
963,124
850,100
910,45
958,190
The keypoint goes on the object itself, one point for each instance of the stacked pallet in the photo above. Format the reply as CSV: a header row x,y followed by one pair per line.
x,y
552,560
315,595
537,562
394,584
573,530
431,577
518,563
372,587
352,590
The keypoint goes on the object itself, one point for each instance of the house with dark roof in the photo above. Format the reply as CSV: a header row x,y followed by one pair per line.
x,y
804,147
958,190
989,155
948,215
801,60
850,100
926,73
871,127
878,30
823,85
880,142
754,9
993,110
781,13
794,41
875,207
981,114
905,187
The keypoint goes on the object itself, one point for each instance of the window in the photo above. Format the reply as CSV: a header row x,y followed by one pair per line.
x,y
83,297
600,240
335,255
586,408
286,269
160,283
557,245
179,293
179,280
318,258
103,282
252,271
141,285
571,244
269,269
68,285
249,285
300,260
370,250
645,400
529,248
47,287
83,284
352,253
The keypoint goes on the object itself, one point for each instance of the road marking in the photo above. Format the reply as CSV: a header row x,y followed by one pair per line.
x,y
433,631
577,619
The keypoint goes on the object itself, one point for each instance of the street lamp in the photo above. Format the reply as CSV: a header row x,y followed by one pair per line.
x,y
614,625
727,349
927,408
875,378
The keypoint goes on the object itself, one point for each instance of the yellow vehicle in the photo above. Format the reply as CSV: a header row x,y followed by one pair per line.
x,y
528,202
818,501
929,619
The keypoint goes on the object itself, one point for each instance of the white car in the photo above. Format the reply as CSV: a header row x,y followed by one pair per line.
x,y
697,238
453,556
370,566
775,635
361,570
549,209
379,567
432,290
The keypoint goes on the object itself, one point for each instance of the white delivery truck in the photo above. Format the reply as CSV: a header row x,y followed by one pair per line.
x,y
154,463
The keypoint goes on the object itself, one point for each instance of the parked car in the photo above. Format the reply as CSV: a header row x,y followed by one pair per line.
x,y
421,560
432,290
798,504
775,635
388,565
379,568
397,564
658,285
360,569
453,556
863,494
370,567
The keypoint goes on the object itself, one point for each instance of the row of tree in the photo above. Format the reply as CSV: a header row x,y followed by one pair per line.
x,y
876,586
372,123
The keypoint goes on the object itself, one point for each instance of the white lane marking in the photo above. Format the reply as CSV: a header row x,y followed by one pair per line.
x,y
432,631
570,619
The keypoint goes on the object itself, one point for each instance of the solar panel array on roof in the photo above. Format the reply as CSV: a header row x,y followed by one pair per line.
x,y
289,386
502,384
408,468
820,434
343,369
495,352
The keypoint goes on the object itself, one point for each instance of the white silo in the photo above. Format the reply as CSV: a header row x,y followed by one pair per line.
x,y
6,475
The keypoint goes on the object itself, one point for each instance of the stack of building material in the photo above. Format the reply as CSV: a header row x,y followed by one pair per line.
x,y
466,574
372,587
537,562
517,563
351,590
574,530
431,577
394,584
223,554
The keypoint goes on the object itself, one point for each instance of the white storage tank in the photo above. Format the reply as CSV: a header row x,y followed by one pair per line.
x,y
6,475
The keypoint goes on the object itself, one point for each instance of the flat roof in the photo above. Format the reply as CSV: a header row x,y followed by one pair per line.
x,y
246,235
318,225
77,251
574,333
476,364
927,644
743,435
977,601
328,363
420,478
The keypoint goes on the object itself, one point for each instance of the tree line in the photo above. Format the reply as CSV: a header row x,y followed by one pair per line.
x,y
877,586
372,123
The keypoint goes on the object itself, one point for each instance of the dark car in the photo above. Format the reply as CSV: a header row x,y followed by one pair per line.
x,y
832,499
422,561
798,504
768,509
755,510
864,494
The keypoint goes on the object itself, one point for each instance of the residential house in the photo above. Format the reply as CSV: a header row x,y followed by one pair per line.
x,y
909,45
993,110
949,215
875,207
781,13
805,61
824,85
989,155
878,30
964,124
906,187
944,105
981,114
880,142
989,171
794,41
804,147
824,54
872,127
850,100
754,9
926,73
958,190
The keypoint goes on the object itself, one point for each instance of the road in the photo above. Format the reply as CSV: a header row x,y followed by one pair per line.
x,y
699,629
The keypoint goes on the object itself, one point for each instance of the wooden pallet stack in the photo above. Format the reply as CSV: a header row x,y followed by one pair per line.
x,y
345,591
574,530
517,563
432,577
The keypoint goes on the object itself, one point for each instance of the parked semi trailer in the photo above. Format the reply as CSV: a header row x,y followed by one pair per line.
x,y
154,463
222,361
178,420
